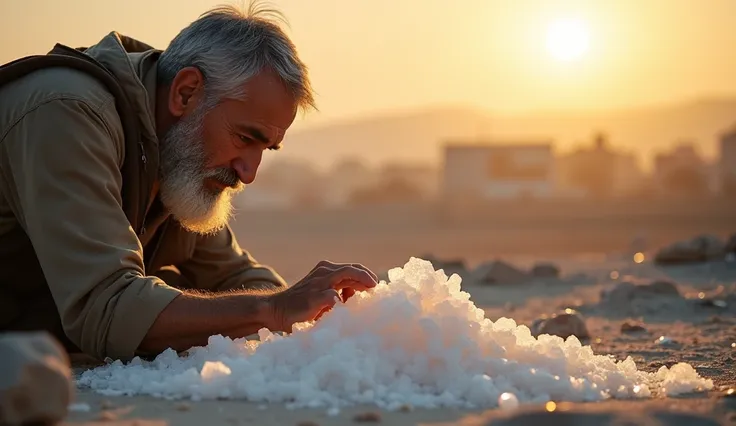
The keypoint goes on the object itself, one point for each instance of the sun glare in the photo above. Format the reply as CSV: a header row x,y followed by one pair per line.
x,y
567,39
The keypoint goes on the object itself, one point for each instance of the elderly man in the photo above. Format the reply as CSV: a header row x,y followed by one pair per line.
x,y
117,169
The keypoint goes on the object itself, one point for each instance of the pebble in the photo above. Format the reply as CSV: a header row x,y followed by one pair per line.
x,y
632,328
661,287
36,384
564,325
715,303
368,417
107,416
715,319
183,406
545,270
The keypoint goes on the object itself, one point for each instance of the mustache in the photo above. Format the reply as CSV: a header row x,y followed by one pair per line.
x,y
226,176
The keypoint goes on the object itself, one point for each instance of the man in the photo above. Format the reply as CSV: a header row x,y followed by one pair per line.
x,y
115,196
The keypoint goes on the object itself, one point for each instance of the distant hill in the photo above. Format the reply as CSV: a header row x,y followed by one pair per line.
x,y
418,136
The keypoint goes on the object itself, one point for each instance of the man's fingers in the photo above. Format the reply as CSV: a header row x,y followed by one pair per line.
x,y
371,273
326,267
351,277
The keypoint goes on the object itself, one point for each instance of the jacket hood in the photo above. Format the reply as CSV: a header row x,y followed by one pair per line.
x,y
133,63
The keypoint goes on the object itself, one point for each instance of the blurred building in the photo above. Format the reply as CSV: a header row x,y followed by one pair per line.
x,y
285,183
423,177
508,170
599,171
397,183
683,172
727,163
344,178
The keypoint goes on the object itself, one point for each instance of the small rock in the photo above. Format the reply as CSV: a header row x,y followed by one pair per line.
x,y
699,249
625,291
545,270
730,246
35,379
406,408
632,328
368,417
713,303
183,406
715,319
107,416
563,325
660,287
500,272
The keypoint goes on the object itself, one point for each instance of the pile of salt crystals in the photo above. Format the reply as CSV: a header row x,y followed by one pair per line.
x,y
417,340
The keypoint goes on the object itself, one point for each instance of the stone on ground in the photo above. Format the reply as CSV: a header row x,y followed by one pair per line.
x,y
35,379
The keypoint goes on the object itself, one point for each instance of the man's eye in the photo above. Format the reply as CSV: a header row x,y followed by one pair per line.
x,y
245,139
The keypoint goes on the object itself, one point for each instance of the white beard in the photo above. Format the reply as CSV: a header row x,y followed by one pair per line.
x,y
182,175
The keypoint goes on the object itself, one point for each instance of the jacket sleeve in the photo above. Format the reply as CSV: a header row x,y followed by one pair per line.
x,y
60,163
219,264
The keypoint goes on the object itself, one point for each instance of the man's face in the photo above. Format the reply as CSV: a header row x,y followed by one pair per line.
x,y
209,156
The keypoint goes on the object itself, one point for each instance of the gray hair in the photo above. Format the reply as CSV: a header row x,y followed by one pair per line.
x,y
230,46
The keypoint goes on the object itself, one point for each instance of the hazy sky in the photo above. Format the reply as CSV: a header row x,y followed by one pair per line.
x,y
370,56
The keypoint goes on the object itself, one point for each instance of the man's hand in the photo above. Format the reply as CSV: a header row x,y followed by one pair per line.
x,y
315,294
192,317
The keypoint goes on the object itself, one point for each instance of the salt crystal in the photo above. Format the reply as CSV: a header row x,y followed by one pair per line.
x,y
417,341
213,370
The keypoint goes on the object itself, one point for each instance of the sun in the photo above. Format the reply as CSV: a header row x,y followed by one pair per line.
x,y
567,39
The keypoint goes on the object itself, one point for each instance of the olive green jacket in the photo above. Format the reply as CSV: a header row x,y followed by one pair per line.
x,y
71,262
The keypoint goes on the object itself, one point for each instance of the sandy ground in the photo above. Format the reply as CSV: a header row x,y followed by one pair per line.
x,y
703,335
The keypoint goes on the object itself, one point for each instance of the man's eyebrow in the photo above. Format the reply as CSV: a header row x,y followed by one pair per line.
x,y
253,132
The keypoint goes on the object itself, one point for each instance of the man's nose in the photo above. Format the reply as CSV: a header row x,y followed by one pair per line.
x,y
246,172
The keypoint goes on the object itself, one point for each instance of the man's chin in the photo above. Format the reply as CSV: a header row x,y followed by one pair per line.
x,y
205,226
200,228
214,220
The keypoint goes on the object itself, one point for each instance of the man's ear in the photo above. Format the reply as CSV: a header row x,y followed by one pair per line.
x,y
186,91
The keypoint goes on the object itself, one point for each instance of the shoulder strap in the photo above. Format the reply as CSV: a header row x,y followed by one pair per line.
x,y
63,56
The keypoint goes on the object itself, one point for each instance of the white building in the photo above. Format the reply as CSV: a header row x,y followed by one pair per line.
x,y
498,171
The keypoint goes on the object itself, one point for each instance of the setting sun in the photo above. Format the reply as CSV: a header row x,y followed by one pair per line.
x,y
567,39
